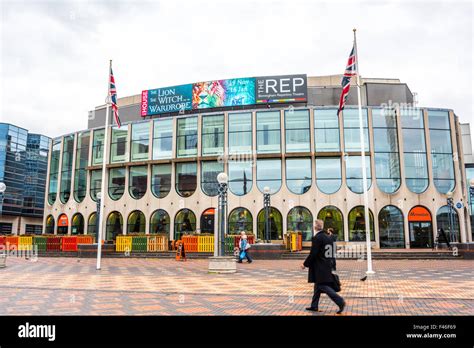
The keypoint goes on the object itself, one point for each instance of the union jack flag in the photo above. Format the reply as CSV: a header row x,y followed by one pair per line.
x,y
346,80
113,98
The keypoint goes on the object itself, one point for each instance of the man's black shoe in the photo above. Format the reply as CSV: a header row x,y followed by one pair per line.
x,y
312,309
341,308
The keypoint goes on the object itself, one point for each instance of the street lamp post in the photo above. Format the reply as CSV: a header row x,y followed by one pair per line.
x,y
450,202
266,206
471,195
99,197
222,193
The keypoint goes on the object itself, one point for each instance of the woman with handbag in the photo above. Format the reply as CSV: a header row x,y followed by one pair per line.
x,y
244,246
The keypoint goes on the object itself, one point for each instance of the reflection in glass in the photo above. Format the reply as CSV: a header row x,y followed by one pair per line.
x,y
212,135
298,175
186,178
357,224
161,180
300,219
275,224
162,138
240,219
240,132
187,137
332,218
116,182
297,130
269,174
184,223
354,173
328,174
326,130
160,222
209,172
137,181
140,141
391,228
268,132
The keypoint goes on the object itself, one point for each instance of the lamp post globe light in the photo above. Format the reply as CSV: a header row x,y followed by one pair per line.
x,y
450,203
266,206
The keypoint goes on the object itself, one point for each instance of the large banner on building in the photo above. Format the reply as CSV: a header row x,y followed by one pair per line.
x,y
224,93
281,89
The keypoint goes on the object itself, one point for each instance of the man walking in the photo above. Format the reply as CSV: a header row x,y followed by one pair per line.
x,y
319,265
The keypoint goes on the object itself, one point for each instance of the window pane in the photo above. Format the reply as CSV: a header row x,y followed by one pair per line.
x,y
96,179
412,118
275,224
160,222
138,181
240,177
98,147
297,130
54,171
161,180
187,137
354,173
80,176
298,175
387,170
118,146
332,218
116,182
240,133
326,130
212,135
440,141
269,174
268,132
351,129
300,219
438,119
240,219
184,223
162,138
391,228
209,172
357,228
140,141
186,178
328,174
136,222
66,168
414,140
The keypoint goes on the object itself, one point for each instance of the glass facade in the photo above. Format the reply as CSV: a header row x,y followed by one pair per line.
x,y
391,228
184,223
54,171
357,231
441,151
96,180
187,137
118,146
328,174
160,222
92,225
162,138
240,219
268,132
300,219
212,135
387,160
161,180
269,174
98,147
297,131
116,183
77,224
137,181
80,171
136,222
240,132
66,168
414,150
140,141
240,177
354,173
352,140
447,218
186,178
326,130
275,224
114,225
209,172
298,175
332,218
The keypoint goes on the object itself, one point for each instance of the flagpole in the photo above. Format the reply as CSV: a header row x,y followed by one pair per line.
x,y
104,161
364,173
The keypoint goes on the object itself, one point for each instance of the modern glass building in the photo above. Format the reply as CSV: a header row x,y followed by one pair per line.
x,y
23,168
161,171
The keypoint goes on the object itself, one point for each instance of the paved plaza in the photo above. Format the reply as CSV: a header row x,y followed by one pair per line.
x,y
72,286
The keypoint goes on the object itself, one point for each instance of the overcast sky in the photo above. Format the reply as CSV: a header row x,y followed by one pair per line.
x,y
54,54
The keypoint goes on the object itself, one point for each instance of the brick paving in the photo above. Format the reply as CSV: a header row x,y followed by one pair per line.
x,y
70,286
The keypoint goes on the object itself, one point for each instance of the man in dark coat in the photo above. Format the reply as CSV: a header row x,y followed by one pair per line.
x,y
319,265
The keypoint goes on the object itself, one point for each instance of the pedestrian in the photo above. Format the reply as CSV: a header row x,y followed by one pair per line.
x,y
244,247
319,266
333,236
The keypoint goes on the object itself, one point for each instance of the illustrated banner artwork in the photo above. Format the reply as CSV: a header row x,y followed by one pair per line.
x,y
224,93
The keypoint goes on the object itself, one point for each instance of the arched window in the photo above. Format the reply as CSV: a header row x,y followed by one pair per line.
x,y
160,222
184,223
240,219
161,180
116,183
114,225
448,220
354,173
391,227
298,175
297,131
414,150
240,177
77,224
49,225
332,218
66,168
387,160
209,172
63,224
300,219
328,174
186,178
96,180
207,220
269,174
138,181
441,150
136,222
275,224
80,172
92,225
357,224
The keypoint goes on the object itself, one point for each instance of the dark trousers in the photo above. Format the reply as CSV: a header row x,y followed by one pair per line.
x,y
249,259
328,290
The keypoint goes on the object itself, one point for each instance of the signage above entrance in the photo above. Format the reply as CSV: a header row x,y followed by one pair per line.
x,y
419,214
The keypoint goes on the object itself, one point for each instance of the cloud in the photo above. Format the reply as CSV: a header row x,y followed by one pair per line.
x,y
54,55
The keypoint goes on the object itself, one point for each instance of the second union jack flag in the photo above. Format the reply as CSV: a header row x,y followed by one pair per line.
x,y
346,80
113,98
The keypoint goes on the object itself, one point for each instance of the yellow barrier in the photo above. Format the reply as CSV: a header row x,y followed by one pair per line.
x,y
123,243
157,243
294,245
206,244
25,243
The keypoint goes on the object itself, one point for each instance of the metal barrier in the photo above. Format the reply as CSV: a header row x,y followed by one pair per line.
x,y
205,244
191,243
85,239
157,242
53,244
12,243
40,242
123,243
139,243
25,243
69,243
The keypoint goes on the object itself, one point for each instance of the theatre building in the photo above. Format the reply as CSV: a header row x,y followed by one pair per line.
x,y
280,132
